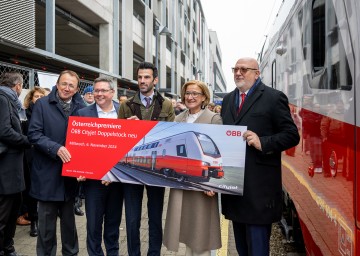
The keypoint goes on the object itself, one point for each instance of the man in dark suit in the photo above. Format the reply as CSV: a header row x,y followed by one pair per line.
x,y
270,130
147,104
56,193
11,161
104,200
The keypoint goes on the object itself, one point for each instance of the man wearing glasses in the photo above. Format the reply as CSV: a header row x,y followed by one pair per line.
x,y
56,194
104,200
270,130
147,104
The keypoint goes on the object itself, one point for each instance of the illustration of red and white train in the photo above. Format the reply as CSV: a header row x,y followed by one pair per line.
x,y
189,156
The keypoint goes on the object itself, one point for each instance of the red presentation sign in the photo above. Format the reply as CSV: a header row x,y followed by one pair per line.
x,y
168,154
97,144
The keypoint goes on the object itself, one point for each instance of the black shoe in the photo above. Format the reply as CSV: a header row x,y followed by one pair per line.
x,y
34,229
78,211
12,254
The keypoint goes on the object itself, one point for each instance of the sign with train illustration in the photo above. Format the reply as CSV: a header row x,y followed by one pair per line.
x,y
178,155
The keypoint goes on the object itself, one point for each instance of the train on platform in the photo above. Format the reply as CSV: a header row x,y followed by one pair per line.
x,y
187,156
313,56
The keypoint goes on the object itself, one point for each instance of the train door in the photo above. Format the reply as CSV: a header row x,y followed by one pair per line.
x,y
182,157
153,160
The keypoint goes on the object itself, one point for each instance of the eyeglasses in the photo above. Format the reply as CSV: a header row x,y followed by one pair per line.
x,y
103,91
193,94
71,86
243,70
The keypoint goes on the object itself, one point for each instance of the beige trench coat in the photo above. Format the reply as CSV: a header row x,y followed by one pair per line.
x,y
192,217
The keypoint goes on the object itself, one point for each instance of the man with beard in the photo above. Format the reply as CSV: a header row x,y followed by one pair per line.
x,y
147,104
270,130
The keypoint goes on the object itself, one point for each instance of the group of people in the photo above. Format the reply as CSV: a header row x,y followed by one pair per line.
x,y
192,217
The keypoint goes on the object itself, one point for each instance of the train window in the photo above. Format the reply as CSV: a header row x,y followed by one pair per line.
x,y
273,74
330,60
208,146
318,34
180,150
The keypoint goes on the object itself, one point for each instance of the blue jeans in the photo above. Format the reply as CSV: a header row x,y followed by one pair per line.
x,y
103,204
252,240
133,195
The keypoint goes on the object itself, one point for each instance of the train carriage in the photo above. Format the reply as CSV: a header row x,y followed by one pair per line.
x,y
313,56
186,156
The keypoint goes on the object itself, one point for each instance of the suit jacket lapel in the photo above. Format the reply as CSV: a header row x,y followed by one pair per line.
x,y
94,112
249,101
233,108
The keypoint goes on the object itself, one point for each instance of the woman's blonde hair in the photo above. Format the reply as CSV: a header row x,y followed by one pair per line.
x,y
30,95
202,86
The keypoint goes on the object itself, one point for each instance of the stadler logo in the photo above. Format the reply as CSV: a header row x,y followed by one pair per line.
x,y
233,133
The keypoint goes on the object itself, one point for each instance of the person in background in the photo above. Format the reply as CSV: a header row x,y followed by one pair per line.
x,y
193,216
88,96
47,91
122,98
211,106
30,203
217,109
147,104
104,200
173,102
180,107
12,181
270,130
55,193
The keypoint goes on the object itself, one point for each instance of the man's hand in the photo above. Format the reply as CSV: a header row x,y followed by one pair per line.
x,y
105,182
252,139
133,118
64,154
81,178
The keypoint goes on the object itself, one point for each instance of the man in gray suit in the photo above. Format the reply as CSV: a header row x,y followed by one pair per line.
x,y
104,200
271,130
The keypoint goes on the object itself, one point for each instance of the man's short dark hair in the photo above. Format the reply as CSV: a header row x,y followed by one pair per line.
x,y
10,79
147,65
71,73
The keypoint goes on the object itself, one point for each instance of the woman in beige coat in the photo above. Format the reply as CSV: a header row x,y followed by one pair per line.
x,y
193,216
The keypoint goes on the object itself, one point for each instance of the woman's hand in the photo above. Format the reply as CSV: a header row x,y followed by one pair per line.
x,y
209,193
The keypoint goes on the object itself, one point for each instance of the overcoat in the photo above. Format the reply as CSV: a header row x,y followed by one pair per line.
x,y
47,132
11,162
265,112
193,217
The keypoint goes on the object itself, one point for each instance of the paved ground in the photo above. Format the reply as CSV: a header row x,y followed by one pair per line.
x,y
26,245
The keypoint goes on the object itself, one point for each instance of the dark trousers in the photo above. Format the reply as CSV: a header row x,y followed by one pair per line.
x,y
252,240
133,195
9,208
46,241
103,205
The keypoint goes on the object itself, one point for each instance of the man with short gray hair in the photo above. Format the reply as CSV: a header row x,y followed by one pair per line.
x,y
13,142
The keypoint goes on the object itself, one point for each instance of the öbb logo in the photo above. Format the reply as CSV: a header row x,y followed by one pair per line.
x,y
233,133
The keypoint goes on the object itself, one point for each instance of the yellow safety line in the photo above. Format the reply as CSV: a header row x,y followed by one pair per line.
x,y
224,225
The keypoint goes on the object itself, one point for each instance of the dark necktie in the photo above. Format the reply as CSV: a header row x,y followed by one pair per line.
x,y
242,95
147,99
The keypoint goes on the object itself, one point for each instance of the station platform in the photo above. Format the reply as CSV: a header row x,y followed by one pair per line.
x,y
25,245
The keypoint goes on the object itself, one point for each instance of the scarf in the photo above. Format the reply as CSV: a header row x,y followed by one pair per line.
x,y
13,97
65,106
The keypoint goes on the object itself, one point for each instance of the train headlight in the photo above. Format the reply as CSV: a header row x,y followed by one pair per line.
x,y
205,163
